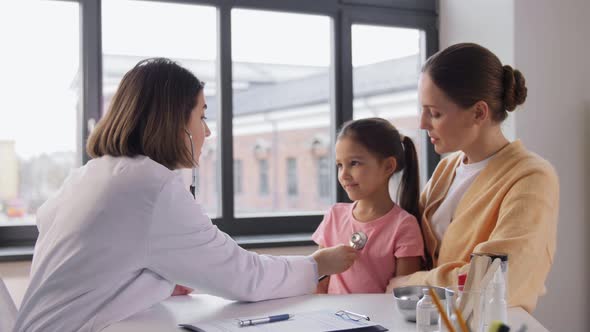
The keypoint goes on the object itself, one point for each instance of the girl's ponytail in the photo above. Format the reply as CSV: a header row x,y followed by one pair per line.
x,y
409,188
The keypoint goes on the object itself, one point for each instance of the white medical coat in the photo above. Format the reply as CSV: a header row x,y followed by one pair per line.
x,y
117,237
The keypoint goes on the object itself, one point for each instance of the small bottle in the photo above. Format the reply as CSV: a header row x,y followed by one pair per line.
x,y
497,304
426,314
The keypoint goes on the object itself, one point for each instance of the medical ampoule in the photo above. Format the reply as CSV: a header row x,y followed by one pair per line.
x,y
426,314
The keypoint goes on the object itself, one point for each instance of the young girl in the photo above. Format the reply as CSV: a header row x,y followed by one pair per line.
x,y
368,153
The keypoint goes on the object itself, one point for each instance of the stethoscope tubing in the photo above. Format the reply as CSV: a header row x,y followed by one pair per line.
x,y
194,170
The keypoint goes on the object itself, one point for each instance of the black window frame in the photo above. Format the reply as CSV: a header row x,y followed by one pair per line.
x,y
417,14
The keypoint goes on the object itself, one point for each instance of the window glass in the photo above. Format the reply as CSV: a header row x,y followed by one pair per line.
x,y
41,99
263,179
323,166
292,176
281,109
187,34
238,176
386,67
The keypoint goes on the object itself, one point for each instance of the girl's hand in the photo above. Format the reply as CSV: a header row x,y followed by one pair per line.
x,y
334,260
181,290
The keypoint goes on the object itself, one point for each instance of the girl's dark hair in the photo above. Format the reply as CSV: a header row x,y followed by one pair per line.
x,y
382,139
148,115
468,73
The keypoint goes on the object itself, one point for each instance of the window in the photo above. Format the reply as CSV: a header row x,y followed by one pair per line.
x,y
281,96
281,78
292,176
323,180
166,30
385,77
238,176
40,100
263,177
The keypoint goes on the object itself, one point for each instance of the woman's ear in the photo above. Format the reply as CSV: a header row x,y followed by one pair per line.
x,y
481,111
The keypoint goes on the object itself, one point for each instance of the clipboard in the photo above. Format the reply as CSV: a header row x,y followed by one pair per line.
x,y
320,321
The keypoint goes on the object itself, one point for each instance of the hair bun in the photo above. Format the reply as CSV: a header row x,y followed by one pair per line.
x,y
515,90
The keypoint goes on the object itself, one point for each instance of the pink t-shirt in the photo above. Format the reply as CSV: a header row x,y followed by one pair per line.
x,y
396,234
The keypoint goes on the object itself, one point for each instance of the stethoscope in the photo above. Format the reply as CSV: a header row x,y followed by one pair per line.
x,y
357,241
194,171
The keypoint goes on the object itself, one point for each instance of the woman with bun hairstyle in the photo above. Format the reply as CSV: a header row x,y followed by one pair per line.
x,y
488,194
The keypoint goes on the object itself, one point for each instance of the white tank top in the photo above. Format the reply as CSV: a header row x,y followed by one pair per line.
x,y
465,174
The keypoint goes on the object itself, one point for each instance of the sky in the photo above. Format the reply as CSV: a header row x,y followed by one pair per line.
x,y
40,40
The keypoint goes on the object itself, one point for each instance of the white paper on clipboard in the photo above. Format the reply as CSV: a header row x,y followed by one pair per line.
x,y
324,320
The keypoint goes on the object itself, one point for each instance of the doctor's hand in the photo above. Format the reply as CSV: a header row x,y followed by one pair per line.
x,y
335,259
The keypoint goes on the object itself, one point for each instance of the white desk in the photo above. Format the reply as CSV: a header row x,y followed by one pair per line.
x,y
186,309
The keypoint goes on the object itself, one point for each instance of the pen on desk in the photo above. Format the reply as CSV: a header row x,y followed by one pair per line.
x,y
263,320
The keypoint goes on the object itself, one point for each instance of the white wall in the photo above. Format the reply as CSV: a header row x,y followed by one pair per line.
x,y
545,40
552,49
489,23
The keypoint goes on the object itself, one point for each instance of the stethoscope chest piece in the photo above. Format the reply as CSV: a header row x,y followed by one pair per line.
x,y
358,240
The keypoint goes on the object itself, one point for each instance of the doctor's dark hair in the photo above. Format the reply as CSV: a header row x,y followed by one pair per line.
x,y
148,115
383,140
468,73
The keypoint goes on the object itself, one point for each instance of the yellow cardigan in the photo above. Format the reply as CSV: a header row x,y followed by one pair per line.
x,y
511,208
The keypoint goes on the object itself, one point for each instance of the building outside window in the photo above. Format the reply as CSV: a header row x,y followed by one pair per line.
x,y
292,177
238,173
281,98
323,178
263,177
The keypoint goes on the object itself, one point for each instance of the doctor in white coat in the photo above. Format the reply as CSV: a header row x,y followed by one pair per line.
x,y
123,231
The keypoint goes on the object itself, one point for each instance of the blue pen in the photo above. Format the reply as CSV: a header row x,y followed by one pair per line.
x,y
263,320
